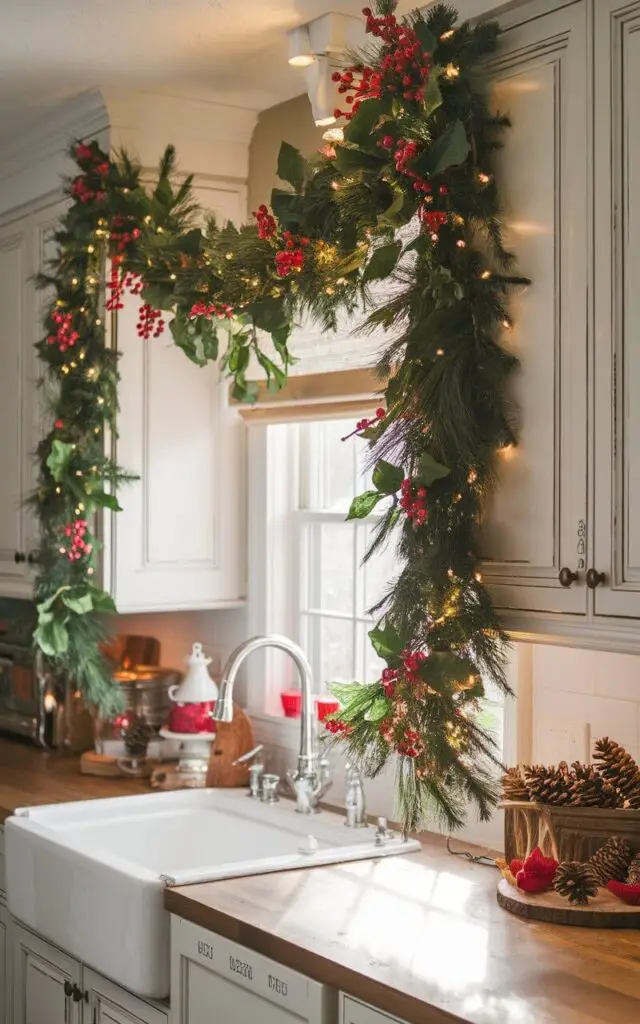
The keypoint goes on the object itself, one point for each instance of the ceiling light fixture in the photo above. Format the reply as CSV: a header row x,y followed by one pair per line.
x,y
300,53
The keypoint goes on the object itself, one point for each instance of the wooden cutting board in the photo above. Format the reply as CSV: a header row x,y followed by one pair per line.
x,y
233,739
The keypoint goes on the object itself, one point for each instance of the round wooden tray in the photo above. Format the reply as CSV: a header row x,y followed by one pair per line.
x,y
603,911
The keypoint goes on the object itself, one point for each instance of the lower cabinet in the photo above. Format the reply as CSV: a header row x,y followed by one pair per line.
x,y
210,971
51,987
352,1011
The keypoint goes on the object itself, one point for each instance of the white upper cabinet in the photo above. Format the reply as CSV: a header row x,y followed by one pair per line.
x,y
536,523
616,497
180,540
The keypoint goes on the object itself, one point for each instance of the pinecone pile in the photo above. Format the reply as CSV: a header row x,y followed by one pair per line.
x,y
136,737
514,786
611,862
619,769
576,882
612,781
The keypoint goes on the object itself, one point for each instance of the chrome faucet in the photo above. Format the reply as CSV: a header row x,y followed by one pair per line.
x,y
354,799
312,777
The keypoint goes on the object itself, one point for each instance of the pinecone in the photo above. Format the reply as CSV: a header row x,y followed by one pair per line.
x,y
633,874
618,768
611,862
136,737
513,785
586,788
576,881
547,785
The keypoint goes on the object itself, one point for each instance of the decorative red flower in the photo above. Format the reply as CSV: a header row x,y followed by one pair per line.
x,y
413,499
266,222
627,893
77,547
537,872
65,336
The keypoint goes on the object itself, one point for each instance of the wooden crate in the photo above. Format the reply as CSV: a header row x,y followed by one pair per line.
x,y
566,833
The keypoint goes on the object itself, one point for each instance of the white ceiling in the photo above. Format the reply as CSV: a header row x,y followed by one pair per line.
x,y
235,50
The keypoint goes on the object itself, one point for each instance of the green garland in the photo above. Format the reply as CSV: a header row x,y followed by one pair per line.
x,y
417,155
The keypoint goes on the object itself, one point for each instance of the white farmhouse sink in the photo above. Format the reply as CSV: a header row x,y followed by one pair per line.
x,y
89,876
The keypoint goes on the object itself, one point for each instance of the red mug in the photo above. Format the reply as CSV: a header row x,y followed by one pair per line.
x,y
192,717
326,706
291,703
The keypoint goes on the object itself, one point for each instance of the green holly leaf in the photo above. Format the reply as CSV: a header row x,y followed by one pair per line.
x,y
52,638
364,504
80,603
45,606
387,477
269,315
245,391
360,129
185,334
59,460
104,500
427,39
383,261
449,150
378,710
102,601
291,166
428,470
432,93
386,642
344,692
352,161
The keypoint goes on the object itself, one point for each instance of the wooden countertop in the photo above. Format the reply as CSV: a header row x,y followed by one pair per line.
x,y
422,937
29,776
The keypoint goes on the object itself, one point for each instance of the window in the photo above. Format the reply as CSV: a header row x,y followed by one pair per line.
x,y
306,577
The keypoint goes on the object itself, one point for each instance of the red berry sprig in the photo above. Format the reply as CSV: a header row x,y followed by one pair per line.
x,y
119,282
150,322
266,222
337,726
413,500
365,424
403,69
77,548
119,236
411,662
389,681
432,219
291,259
65,336
208,310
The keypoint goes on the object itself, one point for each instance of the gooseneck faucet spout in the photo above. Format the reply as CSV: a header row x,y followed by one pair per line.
x,y
311,779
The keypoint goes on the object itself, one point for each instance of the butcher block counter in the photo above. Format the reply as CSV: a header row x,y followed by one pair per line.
x,y
422,937
418,936
29,776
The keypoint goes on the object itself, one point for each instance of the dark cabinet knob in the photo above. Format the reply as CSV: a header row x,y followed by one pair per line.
x,y
19,557
79,995
68,989
594,578
32,558
566,577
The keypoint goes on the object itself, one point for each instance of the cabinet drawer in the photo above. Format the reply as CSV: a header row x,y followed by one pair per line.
x,y
354,1012
196,952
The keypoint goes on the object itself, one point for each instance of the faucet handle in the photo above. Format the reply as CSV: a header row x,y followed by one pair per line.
x,y
270,785
382,832
249,755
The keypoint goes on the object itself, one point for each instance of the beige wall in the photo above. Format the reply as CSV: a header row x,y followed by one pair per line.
x,y
288,122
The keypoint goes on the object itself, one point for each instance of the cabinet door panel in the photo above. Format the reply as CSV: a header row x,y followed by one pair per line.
x,y
617,308
178,543
536,521
14,273
110,1004
39,975
354,1012
233,1005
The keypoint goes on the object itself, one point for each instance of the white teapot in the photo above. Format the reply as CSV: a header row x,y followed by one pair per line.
x,y
197,685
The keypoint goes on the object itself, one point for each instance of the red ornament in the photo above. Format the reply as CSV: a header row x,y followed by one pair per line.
x,y
58,425
537,872
103,169
65,336
192,717
82,152
627,893
266,222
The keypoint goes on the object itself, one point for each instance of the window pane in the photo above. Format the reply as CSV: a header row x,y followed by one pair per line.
x,y
379,571
330,567
336,655
373,665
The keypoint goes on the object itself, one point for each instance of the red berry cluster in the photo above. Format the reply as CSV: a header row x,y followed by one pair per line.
x,y
119,236
337,726
150,322
75,532
58,425
291,258
411,744
119,282
65,336
208,309
364,424
403,69
95,165
389,680
433,219
266,223
414,501
81,190
411,662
